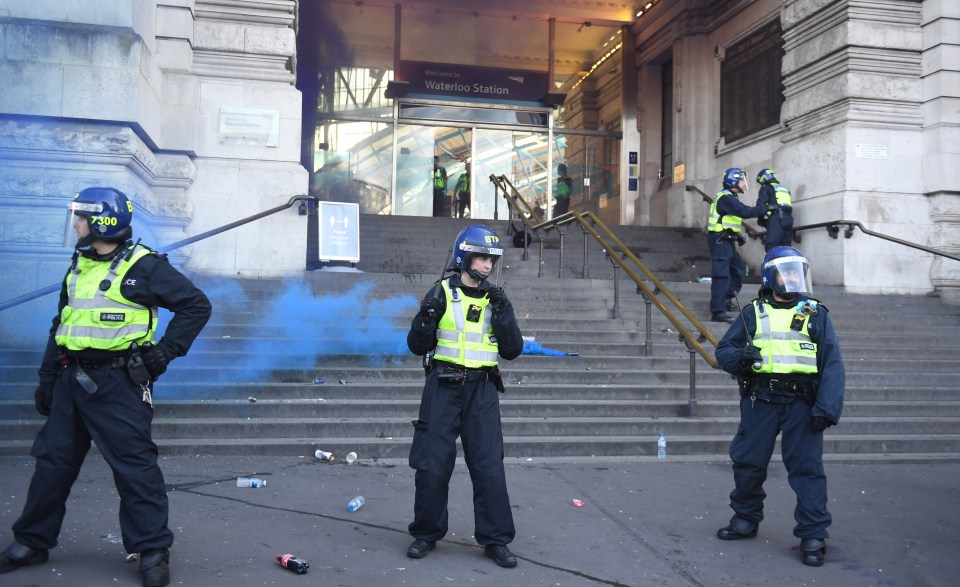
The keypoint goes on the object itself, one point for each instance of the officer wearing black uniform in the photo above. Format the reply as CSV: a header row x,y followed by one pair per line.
x,y
724,232
787,358
96,383
465,323
776,202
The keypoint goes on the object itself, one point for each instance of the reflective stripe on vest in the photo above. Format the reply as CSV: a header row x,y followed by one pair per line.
x,y
784,198
439,179
784,350
715,223
463,342
563,188
103,320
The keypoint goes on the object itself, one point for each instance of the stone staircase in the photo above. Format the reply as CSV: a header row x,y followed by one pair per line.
x,y
250,384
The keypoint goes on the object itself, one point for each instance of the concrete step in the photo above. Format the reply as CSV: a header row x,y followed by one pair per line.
x,y
678,446
517,426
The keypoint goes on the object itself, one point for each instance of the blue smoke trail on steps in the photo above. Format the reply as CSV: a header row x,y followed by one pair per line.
x,y
294,334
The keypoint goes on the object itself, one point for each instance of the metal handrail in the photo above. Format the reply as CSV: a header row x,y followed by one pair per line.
x,y
164,249
618,252
833,228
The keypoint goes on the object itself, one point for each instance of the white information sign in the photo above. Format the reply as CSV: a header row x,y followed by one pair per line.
x,y
250,126
865,151
339,231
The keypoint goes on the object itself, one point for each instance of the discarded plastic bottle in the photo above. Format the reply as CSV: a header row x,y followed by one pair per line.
x,y
351,457
293,563
356,503
250,482
324,455
662,447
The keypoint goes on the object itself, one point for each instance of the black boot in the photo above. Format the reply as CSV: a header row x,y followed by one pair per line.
x,y
737,529
18,555
420,548
155,567
813,550
500,555
721,317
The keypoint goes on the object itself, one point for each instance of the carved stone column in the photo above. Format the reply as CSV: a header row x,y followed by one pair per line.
x,y
853,89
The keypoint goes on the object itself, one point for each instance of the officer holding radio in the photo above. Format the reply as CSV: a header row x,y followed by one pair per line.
x,y
96,383
465,322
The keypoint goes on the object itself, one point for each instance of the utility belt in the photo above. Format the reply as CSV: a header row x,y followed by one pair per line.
x,y
778,391
453,375
131,359
93,364
730,235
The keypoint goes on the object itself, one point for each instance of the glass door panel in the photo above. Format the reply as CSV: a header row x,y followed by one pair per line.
x,y
521,157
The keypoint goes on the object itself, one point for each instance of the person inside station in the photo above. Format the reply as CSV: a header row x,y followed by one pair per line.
x,y
439,189
562,191
776,201
96,383
464,324
724,233
461,195
786,355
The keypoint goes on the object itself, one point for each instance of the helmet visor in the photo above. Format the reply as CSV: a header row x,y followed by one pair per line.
x,y
78,212
790,275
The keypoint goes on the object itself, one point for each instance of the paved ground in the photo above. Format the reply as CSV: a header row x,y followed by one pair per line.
x,y
642,523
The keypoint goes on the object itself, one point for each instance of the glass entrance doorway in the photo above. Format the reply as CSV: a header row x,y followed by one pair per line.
x,y
436,159
444,170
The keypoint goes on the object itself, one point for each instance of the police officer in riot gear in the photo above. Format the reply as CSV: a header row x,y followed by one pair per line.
x,y
777,204
465,322
787,358
96,383
724,232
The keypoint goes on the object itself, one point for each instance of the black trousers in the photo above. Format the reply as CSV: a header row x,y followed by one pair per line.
x,y
779,232
802,448
561,207
471,412
440,204
119,421
726,271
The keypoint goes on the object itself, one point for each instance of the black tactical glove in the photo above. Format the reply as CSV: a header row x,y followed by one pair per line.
x,y
498,299
819,424
154,359
741,240
751,355
43,398
430,309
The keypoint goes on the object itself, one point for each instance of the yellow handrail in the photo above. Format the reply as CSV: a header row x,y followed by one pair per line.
x,y
618,252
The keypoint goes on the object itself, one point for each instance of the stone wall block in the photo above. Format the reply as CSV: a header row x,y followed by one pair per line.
x,y
218,36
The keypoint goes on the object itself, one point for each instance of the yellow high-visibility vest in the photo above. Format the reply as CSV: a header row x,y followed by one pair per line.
x,y
461,341
783,349
716,224
103,320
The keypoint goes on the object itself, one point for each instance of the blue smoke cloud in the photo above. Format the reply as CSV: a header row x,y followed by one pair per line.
x,y
295,334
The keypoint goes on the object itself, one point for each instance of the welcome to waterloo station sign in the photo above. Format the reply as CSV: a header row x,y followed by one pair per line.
x,y
471,81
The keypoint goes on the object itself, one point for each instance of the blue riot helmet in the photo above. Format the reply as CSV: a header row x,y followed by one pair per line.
x,y
766,176
475,239
785,272
732,177
107,212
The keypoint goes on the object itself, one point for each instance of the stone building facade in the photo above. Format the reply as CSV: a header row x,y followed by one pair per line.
x,y
190,107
